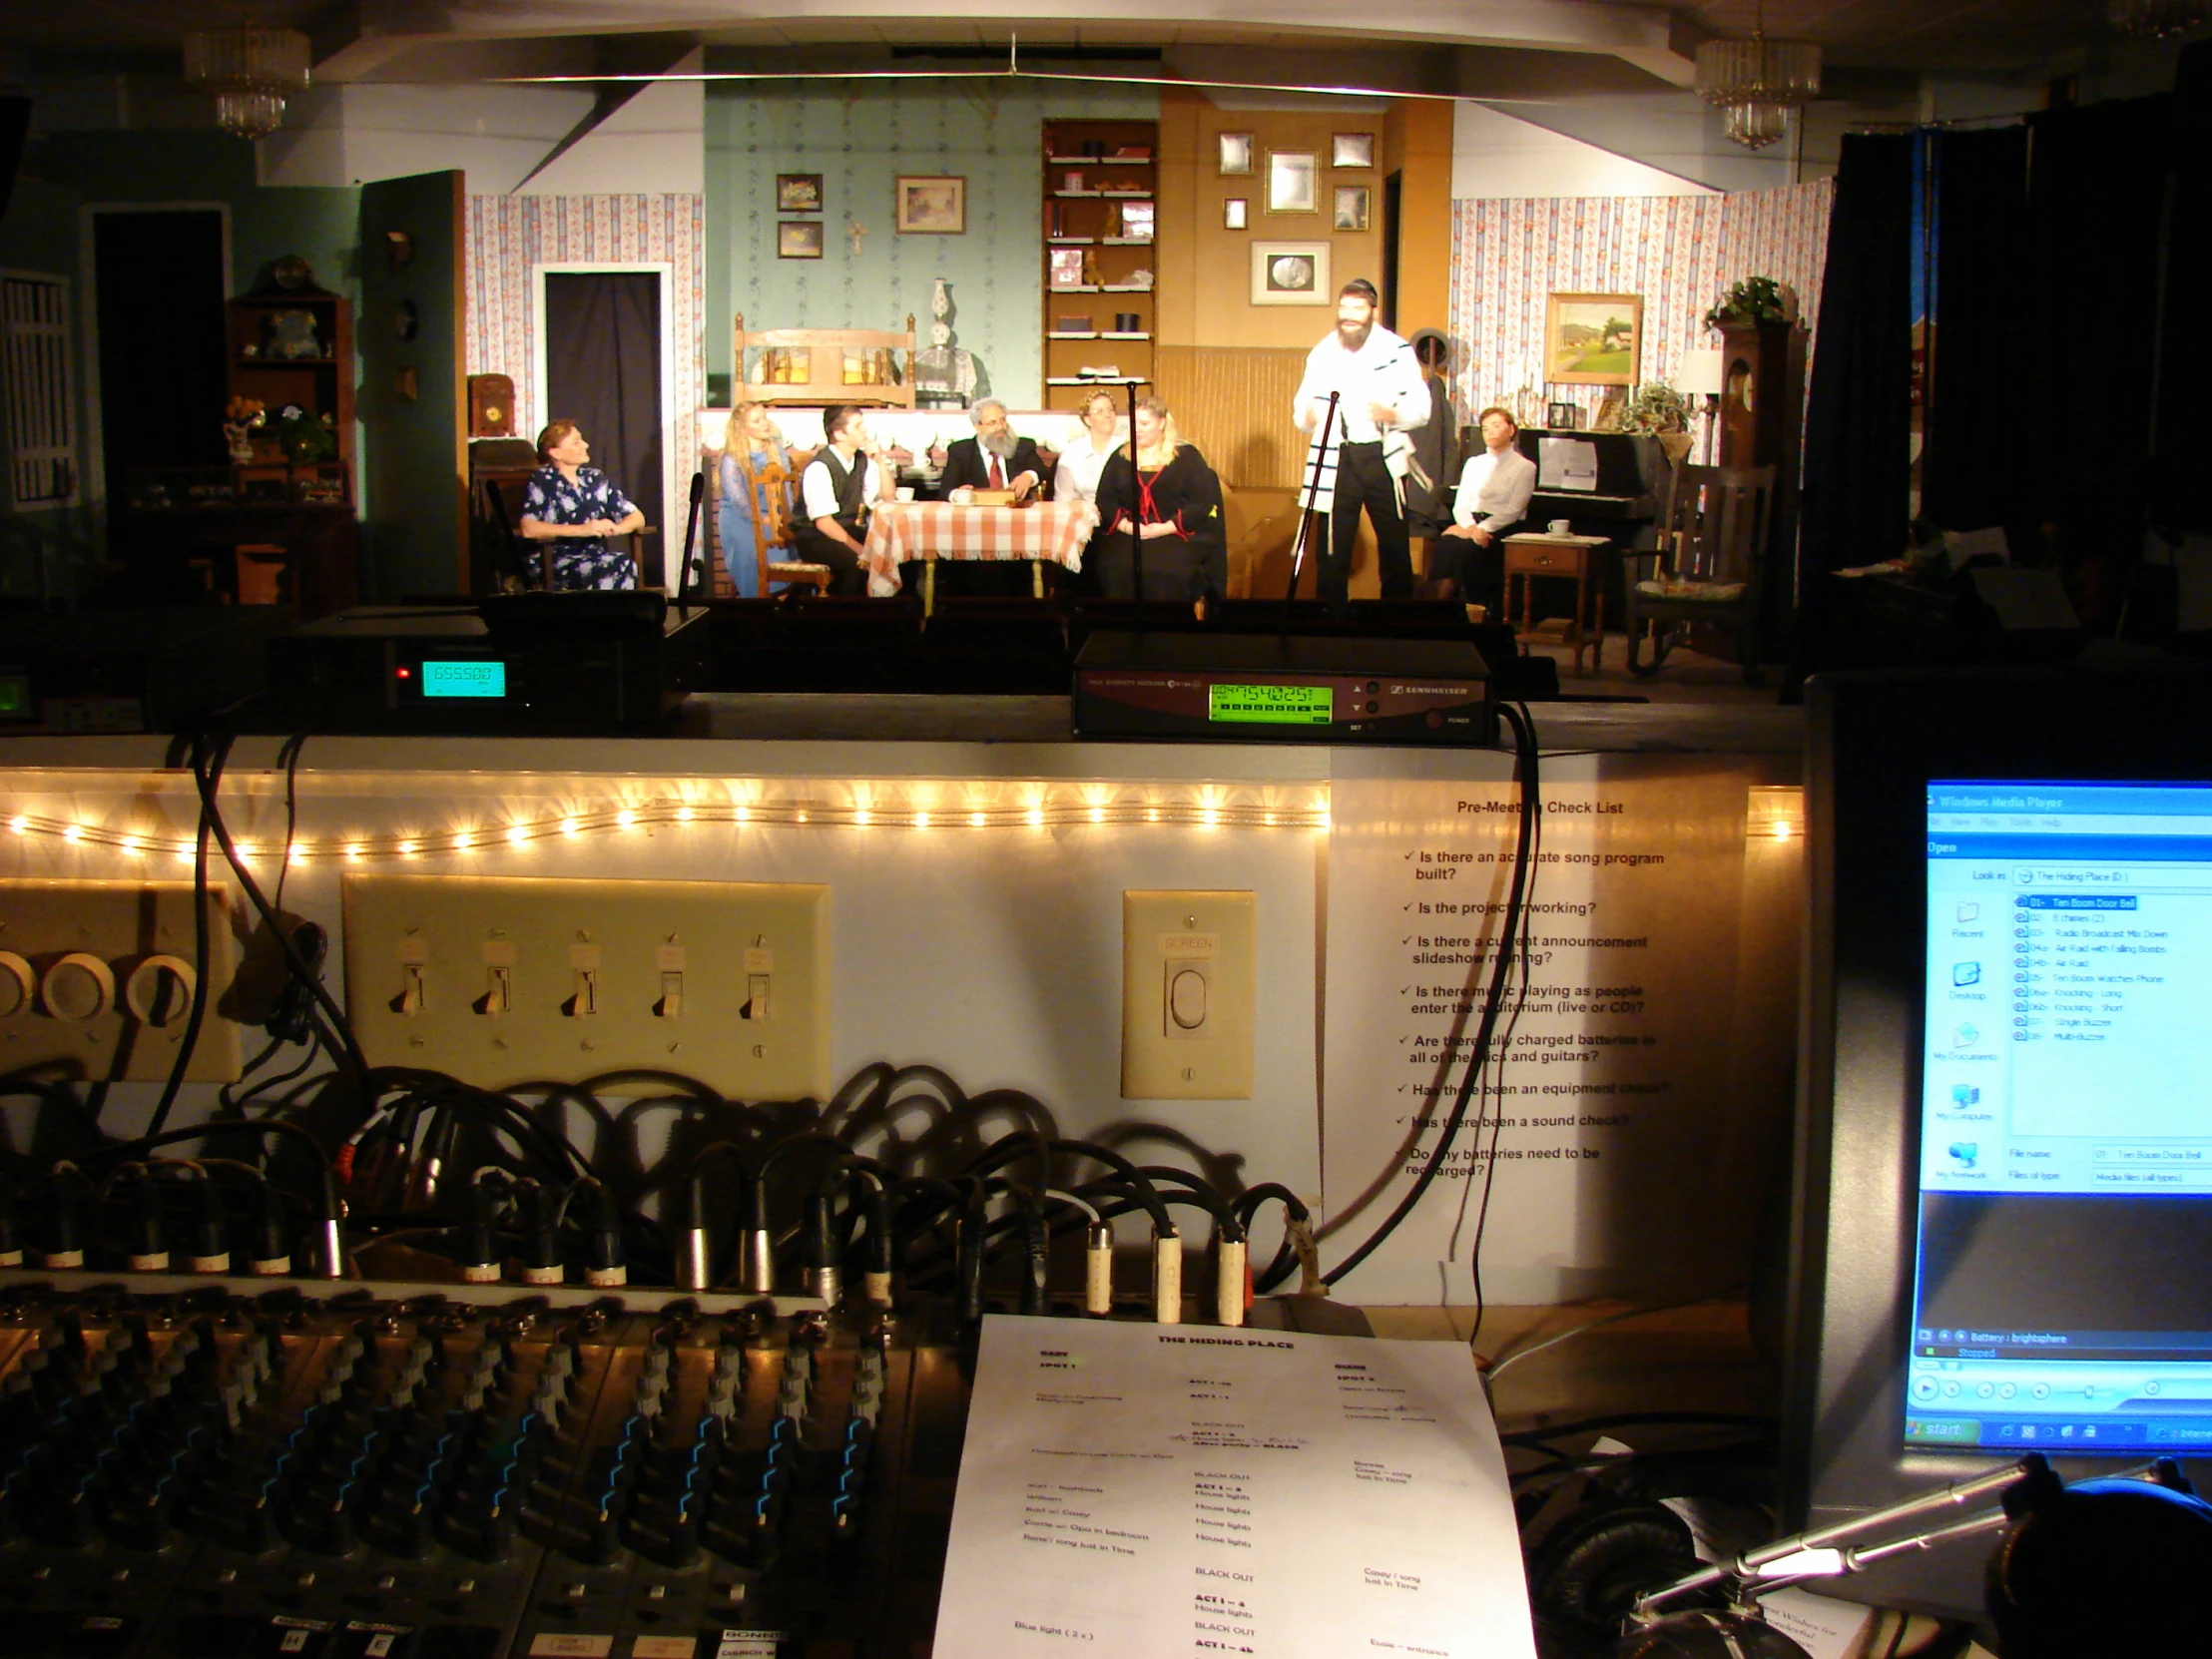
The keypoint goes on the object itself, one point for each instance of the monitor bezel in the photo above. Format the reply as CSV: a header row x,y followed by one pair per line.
x,y
1875,743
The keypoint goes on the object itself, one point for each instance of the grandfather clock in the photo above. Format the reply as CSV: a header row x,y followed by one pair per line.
x,y
1762,422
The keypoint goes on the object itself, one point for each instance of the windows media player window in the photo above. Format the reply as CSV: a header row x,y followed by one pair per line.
x,y
2065,1149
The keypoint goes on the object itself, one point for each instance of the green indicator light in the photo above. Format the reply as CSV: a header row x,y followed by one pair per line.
x,y
1270,705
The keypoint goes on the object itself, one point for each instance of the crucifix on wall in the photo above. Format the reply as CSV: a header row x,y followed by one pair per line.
x,y
855,231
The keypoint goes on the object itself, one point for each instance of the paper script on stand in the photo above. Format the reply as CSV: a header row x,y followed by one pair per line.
x,y
1189,1492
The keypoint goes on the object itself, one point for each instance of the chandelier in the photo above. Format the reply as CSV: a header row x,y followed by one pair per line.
x,y
2158,19
251,72
1758,82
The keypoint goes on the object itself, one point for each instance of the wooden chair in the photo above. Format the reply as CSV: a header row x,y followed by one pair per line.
x,y
771,528
807,366
1707,565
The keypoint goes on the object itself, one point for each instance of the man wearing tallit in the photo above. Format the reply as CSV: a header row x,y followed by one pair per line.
x,y
1381,399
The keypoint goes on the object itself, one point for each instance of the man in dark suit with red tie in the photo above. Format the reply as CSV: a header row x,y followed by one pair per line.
x,y
993,459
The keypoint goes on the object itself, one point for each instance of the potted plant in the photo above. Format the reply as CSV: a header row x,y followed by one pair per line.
x,y
1753,299
1657,410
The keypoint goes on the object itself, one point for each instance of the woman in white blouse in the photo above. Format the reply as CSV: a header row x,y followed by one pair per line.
x,y
1076,477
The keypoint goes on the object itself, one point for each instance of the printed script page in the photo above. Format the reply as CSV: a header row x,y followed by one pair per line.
x,y
1177,1490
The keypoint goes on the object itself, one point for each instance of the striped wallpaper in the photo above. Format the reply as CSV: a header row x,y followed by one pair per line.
x,y
1677,252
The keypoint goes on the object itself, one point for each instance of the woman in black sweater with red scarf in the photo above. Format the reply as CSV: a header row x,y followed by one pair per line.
x,y
1170,500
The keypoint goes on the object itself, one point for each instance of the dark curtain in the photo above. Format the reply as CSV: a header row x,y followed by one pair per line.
x,y
2183,444
2096,196
603,371
1969,471
1858,460
157,286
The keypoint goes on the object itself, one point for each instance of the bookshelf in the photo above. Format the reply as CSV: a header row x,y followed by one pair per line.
x,y
1101,218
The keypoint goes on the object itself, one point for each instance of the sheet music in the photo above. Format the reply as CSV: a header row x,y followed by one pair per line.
x,y
1567,464
1188,1492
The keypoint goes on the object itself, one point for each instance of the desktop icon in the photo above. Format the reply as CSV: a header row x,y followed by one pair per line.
x,y
1964,1094
1964,1153
1966,973
1964,1036
1969,910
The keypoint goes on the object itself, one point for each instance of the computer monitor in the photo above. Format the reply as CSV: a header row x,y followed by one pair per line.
x,y
2002,1231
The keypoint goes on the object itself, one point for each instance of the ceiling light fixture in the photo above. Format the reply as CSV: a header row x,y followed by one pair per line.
x,y
251,72
2158,19
1758,82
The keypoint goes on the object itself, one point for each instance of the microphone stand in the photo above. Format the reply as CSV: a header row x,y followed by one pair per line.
x,y
1308,514
1136,526
1828,1551
691,535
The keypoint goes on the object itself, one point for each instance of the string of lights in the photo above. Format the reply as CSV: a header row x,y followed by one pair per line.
x,y
889,810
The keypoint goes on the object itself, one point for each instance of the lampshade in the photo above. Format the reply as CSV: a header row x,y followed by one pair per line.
x,y
1699,372
1758,82
251,72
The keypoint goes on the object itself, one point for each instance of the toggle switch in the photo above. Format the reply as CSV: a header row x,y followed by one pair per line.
x,y
500,991
671,1006
409,1000
1187,987
756,998
585,1000
159,991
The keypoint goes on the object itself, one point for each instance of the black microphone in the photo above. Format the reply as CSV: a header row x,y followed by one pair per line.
x,y
691,535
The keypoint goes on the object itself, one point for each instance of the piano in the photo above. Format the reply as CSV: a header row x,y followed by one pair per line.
x,y
1623,496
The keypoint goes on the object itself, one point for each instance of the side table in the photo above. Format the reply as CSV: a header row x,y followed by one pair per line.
x,y
1532,554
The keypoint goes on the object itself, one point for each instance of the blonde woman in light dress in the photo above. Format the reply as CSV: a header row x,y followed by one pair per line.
x,y
754,477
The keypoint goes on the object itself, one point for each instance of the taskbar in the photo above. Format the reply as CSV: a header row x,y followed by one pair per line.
x,y
2087,1436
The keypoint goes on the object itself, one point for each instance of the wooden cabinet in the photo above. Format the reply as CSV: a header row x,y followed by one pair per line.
x,y
1101,222
294,348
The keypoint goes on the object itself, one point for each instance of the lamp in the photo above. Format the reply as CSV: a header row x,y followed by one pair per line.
x,y
1699,373
1760,81
2158,19
251,72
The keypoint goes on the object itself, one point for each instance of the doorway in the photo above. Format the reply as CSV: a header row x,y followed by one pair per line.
x,y
604,361
1393,196
158,285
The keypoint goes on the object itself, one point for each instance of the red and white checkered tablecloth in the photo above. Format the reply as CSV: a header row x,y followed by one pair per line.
x,y
1055,530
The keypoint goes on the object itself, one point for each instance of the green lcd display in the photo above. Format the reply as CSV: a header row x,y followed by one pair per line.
x,y
1270,705
475,678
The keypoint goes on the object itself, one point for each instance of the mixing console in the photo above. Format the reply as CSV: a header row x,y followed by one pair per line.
x,y
211,1467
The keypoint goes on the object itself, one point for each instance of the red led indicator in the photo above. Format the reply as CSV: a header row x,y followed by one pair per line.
x,y
407,674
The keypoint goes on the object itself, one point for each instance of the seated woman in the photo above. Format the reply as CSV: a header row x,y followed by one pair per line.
x,y
579,509
1165,498
1076,477
1495,488
754,476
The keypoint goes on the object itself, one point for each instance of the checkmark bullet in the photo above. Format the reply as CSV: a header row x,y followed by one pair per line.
x,y
1403,989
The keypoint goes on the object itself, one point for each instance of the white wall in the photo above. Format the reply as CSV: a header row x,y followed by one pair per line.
x,y
498,135
1497,155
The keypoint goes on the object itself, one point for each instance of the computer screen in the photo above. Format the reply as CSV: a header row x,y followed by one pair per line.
x,y
2065,1213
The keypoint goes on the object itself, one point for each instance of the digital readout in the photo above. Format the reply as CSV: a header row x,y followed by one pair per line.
x,y
1271,705
470,679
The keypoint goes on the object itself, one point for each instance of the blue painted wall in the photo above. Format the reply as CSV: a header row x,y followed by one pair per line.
x,y
988,132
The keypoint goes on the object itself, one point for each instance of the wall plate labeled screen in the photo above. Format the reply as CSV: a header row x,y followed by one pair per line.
x,y
1187,976
502,980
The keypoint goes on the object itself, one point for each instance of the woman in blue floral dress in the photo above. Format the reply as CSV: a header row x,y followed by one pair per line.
x,y
755,475
578,509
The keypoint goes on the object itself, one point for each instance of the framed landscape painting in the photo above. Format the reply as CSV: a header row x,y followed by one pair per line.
x,y
1592,339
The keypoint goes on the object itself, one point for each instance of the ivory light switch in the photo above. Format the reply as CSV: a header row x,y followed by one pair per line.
x,y
1187,995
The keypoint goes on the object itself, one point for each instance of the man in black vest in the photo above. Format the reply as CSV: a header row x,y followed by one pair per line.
x,y
836,494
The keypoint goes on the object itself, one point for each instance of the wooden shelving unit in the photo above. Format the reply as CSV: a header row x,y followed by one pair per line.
x,y
320,384
1083,215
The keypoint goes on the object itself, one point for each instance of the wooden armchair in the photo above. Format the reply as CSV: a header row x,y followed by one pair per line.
x,y
1707,565
808,366
768,497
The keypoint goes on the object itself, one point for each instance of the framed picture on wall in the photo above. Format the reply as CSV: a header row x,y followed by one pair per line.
x,y
1235,154
1234,213
1291,273
1290,182
799,239
935,206
798,192
1351,149
1352,207
1592,339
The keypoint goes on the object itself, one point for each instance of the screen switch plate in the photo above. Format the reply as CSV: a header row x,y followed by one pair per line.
x,y
1187,987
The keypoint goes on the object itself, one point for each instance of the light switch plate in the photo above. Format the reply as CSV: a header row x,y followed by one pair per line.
x,y
593,977
1187,987
120,925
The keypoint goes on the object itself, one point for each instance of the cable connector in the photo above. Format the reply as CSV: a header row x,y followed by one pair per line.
x,y
1167,1278
1098,1269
